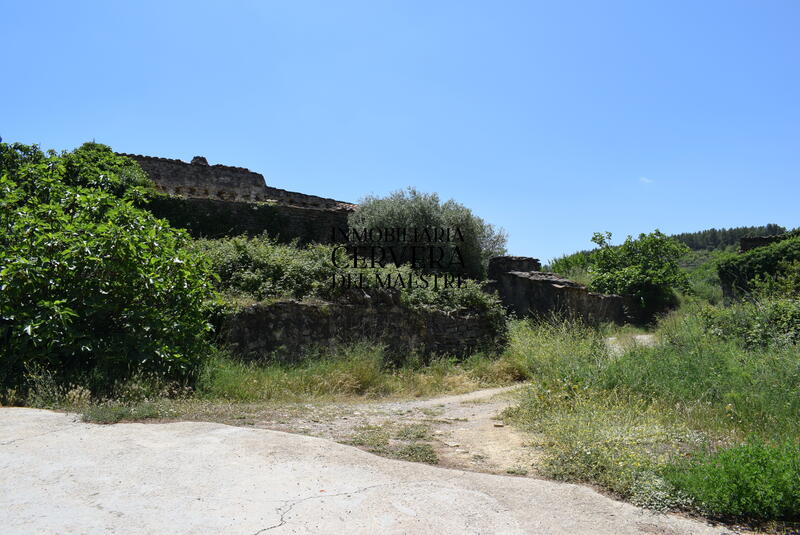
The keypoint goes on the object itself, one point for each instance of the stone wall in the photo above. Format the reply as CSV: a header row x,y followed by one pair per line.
x,y
503,264
209,218
198,179
283,330
542,294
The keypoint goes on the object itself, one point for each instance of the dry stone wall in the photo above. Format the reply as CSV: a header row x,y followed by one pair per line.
x,y
541,294
209,218
198,179
214,201
283,330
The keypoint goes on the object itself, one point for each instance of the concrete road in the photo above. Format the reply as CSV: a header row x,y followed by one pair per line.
x,y
60,476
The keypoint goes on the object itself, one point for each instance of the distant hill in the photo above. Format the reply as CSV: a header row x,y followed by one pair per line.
x,y
718,239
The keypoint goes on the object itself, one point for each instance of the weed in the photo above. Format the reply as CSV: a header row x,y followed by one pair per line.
x,y
420,453
112,412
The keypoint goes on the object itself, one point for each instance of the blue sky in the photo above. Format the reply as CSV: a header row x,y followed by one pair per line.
x,y
550,119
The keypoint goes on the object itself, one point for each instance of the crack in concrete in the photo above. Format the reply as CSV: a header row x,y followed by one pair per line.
x,y
15,440
296,501
291,503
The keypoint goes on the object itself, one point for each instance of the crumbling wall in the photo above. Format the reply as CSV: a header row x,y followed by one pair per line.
x,y
214,201
541,294
198,179
283,330
209,218
503,264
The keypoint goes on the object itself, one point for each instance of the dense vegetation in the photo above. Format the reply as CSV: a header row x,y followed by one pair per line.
x,y
704,246
94,289
672,425
706,419
647,267
410,209
742,273
259,268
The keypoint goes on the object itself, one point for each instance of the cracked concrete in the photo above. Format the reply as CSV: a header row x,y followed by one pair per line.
x,y
199,478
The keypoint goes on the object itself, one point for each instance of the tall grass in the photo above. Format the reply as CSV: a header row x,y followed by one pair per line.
x,y
629,421
346,372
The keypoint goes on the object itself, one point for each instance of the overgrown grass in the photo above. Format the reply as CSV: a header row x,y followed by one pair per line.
x,y
666,426
359,370
752,480
344,373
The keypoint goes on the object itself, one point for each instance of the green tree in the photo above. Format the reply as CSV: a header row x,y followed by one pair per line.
x,y
92,287
646,267
408,209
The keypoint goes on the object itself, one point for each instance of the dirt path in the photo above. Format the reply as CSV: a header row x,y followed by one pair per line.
x,y
459,431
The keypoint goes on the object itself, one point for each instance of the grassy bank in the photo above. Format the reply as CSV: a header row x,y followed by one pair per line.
x,y
348,373
698,421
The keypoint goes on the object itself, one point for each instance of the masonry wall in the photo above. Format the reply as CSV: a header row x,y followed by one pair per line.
x,y
283,330
542,294
198,179
209,218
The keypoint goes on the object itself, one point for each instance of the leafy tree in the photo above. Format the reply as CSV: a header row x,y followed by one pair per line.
x,y
646,267
409,209
92,287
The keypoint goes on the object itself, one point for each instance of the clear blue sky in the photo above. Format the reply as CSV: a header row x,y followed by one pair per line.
x,y
551,119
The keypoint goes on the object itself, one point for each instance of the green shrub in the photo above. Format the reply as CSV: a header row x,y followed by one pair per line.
x,y
755,480
93,288
260,268
646,268
570,264
737,271
96,166
784,282
764,322
411,209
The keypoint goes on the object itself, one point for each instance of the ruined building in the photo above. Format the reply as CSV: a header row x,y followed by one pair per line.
x,y
213,201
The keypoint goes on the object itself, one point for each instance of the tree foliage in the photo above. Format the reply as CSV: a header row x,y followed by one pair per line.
x,y
93,288
408,209
646,267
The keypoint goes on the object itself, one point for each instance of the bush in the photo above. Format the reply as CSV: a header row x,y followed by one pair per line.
x,y
570,264
412,209
96,166
646,268
259,268
755,480
764,322
737,271
93,288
